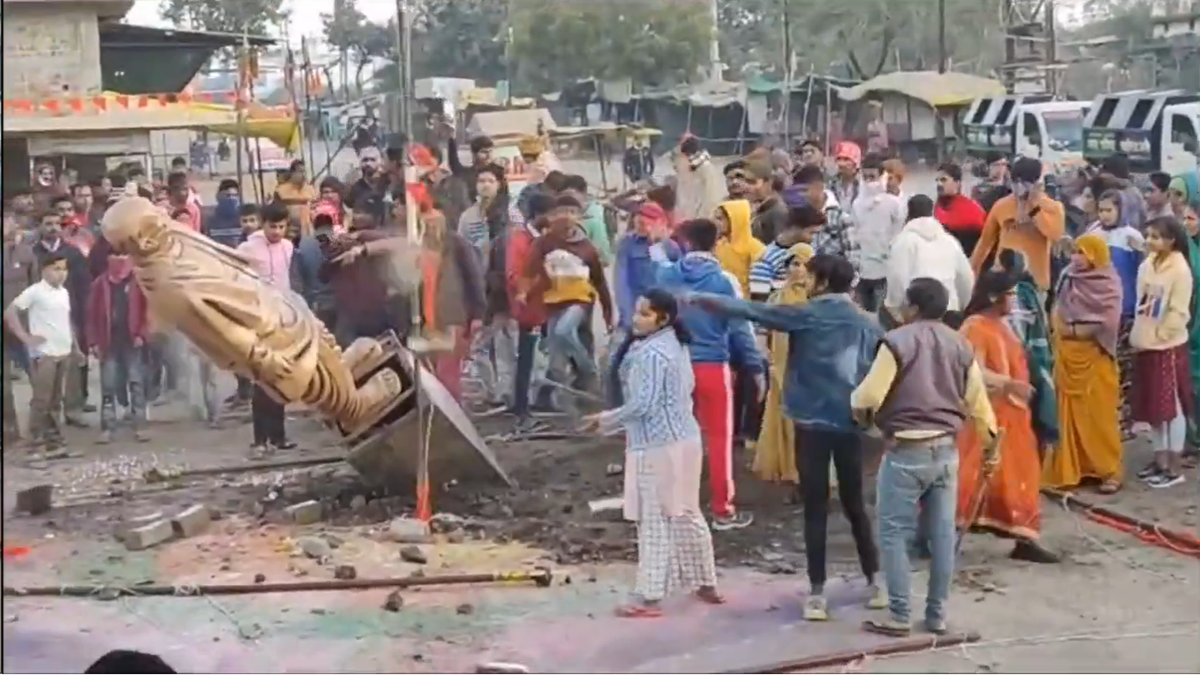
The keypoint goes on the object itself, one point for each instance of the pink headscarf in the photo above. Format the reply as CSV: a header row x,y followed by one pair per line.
x,y
848,150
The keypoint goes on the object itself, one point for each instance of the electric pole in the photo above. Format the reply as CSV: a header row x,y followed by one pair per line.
x,y
787,76
404,67
941,122
714,44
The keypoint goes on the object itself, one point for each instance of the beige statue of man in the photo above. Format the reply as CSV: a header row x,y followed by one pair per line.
x,y
209,293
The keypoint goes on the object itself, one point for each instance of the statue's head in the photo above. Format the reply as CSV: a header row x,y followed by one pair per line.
x,y
135,226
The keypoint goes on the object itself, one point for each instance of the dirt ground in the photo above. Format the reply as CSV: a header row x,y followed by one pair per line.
x,y
1113,605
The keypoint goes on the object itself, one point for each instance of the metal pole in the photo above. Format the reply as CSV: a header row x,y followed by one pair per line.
x,y
941,122
787,77
242,78
714,44
306,73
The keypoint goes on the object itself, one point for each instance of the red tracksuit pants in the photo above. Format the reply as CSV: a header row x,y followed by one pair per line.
x,y
713,398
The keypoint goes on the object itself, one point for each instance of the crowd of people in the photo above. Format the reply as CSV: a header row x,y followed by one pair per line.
x,y
769,304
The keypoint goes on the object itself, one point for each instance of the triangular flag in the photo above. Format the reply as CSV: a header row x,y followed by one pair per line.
x,y
76,104
100,102
123,101
51,105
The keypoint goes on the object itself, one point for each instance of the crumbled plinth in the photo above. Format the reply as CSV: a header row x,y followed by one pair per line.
x,y
192,521
147,536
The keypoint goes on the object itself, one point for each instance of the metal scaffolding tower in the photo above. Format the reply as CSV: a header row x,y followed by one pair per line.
x,y
1031,64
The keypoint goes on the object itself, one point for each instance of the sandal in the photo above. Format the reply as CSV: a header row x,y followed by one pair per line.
x,y
711,596
639,612
1109,487
888,627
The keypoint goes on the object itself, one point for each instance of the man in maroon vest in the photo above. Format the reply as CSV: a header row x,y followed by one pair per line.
x,y
921,388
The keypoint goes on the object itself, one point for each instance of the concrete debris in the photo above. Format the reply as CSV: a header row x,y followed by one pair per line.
x,y
260,578
36,500
394,602
121,531
192,521
499,667
465,609
315,547
345,572
614,470
408,531
444,523
358,503
304,513
598,506
146,536
413,554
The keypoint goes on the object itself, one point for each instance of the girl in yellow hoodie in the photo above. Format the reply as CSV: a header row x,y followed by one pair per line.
x,y
737,249
1162,387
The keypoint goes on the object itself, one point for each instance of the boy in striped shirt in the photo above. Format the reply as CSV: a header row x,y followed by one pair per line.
x,y
770,271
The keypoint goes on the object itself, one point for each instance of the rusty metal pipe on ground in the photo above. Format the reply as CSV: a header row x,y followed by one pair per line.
x,y
904,646
542,577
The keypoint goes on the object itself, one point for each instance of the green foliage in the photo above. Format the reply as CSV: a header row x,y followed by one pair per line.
x,y
648,41
460,38
223,16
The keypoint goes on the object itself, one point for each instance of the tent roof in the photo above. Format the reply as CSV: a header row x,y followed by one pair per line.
x,y
934,88
510,123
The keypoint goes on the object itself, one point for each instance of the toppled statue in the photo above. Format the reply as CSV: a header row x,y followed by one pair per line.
x,y
210,294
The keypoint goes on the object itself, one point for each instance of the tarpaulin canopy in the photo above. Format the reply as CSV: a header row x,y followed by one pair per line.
x,y
934,88
511,124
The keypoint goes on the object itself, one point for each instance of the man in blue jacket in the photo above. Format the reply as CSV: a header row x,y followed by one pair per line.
x,y
832,343
716,340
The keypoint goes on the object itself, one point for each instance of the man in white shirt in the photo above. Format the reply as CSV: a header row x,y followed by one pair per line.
x,y
50,340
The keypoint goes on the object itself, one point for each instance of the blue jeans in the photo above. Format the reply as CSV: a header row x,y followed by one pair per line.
x,y
918,475
565,345
123,377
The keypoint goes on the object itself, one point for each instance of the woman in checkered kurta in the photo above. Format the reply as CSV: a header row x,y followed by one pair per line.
x,y
664,457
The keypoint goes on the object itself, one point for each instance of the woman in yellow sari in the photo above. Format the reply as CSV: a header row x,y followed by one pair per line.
x,y
1086,321
775,453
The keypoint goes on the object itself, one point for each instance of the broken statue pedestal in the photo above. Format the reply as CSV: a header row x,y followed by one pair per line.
x,y
387,454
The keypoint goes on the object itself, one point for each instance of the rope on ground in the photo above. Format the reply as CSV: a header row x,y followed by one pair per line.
x,y
1065,503
1147,532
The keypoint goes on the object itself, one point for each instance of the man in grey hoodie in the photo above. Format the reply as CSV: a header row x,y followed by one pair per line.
x,y
700,187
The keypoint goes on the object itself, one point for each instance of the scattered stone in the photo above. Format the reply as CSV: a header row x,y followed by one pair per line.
x,y
358,503
345,572
606,505
121,531
146,536
408,531
782,568
315,547
260,578
318,611
456,537
304,513
614,469
394,602
11,618
333,540
501,668
258,510
413,554
225,567
418,573
442,523
465,609
192,521
36,500
108,594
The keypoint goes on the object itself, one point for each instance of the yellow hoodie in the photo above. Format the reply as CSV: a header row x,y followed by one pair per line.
x,y
740,249
1163,305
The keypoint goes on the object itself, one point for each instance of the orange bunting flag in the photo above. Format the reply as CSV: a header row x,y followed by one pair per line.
x,y
123,101
76,104
51,105
100,102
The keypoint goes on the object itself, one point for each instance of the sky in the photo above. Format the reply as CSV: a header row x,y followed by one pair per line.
x,y
306,14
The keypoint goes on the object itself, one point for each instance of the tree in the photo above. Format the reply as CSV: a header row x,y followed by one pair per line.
x,y
357,40
461,38
649,41
222,16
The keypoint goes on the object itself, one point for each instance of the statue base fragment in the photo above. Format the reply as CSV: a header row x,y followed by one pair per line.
x,y
386,450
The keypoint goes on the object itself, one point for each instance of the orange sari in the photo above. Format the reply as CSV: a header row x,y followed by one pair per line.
x,y
1011,498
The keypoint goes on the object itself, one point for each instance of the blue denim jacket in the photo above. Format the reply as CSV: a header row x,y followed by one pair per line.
x,y
831,344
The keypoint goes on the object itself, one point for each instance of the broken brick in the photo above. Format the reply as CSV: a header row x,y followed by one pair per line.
x,y
192,521
36,500
146,536
304,513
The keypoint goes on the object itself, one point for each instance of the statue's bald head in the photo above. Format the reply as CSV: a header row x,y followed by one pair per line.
x,y
132,224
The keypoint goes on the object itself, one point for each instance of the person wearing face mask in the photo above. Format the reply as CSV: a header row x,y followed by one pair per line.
x,y
118,331
997,185
224,222
878,216
1027,221
962,216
